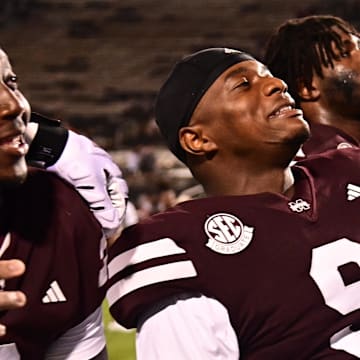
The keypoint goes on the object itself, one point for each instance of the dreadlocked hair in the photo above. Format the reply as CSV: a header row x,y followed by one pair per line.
x,y
300,47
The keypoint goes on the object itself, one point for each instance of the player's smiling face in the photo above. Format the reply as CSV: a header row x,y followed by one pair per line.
x,y
248,112
14,114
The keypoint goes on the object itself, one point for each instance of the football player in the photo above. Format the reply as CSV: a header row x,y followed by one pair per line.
x,y
319,58
267,266
49,228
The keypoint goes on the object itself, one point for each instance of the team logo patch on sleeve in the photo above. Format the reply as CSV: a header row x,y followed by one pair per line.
x,y
227,234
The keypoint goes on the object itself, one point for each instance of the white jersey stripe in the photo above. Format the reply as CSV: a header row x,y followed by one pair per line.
x,y
5,244
3,248
156,274
151,250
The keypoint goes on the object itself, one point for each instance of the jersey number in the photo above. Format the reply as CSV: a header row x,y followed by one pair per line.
x,y
339,294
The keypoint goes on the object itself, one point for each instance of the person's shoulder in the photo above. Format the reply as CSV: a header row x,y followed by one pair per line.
x,y
45,196
44,184
163,224
182,229
341,162
37,178
348,155
163,255
149,262
178,222
326,138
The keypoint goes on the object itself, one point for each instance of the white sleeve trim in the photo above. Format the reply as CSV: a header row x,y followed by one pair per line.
x,y
191,328
83,341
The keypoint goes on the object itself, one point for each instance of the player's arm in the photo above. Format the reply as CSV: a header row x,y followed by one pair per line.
x,y
187,327
11,299
78,160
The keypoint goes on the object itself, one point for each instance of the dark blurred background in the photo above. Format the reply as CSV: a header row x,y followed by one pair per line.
x,y
97,65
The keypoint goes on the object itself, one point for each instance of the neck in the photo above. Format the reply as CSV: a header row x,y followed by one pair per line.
x,y
314,113
224,183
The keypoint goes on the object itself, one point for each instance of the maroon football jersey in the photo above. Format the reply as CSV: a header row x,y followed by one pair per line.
x,y
45,223
325,137
286,269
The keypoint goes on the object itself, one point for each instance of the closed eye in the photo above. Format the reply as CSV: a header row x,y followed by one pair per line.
x,y
244,82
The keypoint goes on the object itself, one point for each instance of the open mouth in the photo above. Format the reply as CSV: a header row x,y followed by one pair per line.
x,y
15,145
14,140
285,110
282,110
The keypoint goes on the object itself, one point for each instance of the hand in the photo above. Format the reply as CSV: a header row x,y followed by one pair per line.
x,y
83,164
11,299
97,178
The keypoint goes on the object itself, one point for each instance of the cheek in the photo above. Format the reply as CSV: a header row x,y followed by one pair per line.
x,y
341,88
239,122
240,135
26,106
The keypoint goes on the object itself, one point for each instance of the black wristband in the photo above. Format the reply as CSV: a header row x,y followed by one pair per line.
x,y
47,146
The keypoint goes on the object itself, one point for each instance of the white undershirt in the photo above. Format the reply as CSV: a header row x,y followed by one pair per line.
x,y
83,341
187,329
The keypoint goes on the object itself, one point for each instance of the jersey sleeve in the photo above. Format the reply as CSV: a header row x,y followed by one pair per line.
x,y
145,266
188,328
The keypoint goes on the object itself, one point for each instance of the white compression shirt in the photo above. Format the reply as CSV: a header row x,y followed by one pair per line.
x,y
189,328
83,341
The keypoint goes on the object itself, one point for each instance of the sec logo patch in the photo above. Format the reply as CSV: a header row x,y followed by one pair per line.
x,y
227,234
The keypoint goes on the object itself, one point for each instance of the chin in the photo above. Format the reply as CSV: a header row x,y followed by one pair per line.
x,y
290,145
301,138
13,177
300,135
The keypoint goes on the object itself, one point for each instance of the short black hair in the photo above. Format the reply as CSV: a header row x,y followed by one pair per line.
x,y
301,46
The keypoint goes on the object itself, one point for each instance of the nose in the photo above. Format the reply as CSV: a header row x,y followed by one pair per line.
x,y
273,85
12,104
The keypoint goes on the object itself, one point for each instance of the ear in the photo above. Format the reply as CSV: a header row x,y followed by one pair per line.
x,y
194,141
311,94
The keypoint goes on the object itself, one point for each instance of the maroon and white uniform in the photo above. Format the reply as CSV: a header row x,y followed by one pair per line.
x,y
286,270
47,225
324,138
